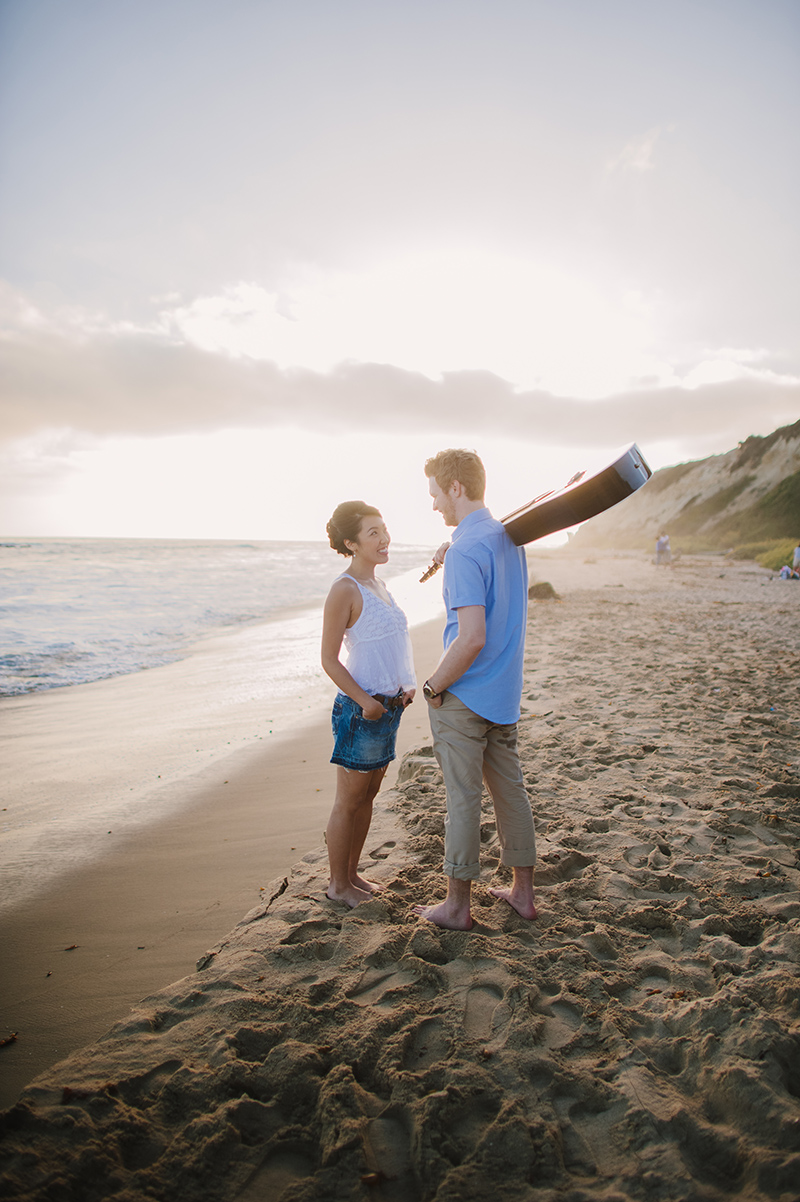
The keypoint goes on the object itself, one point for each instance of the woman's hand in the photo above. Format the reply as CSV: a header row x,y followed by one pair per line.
x,y
373,710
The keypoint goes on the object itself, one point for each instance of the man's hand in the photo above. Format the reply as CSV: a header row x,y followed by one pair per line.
x,y
463,651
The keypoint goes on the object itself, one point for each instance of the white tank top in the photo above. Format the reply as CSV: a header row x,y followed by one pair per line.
x,y
379,655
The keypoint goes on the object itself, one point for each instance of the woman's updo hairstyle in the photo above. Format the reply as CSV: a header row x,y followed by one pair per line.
x,y
346,524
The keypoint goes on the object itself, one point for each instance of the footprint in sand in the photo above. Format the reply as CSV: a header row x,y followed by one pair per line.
x,y
387,1151
562,1022
599,944
746,930
382,852
558,867
483,1014
308,931
710,1154
647,997
309,938
375,984
254,1045
280,1171
427,1046
641,855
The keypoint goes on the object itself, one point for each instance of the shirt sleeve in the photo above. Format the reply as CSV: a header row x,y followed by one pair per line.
x,y
464,582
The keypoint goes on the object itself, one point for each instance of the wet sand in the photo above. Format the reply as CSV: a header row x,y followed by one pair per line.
x,y
640,1039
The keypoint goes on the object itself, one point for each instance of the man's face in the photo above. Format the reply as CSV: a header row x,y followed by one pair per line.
x,y
443,502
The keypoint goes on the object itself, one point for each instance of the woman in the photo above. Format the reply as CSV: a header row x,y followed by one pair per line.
x,y
375,686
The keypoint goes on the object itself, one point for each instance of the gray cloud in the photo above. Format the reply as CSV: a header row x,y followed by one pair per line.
x,y
109,384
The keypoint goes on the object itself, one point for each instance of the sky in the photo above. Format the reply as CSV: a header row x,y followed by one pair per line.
x,y
261,256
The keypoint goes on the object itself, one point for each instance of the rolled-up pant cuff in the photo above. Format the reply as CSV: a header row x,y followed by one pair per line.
x,y
518,859
462,872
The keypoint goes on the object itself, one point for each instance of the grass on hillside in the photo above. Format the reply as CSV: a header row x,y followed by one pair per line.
x,y
775,516
769,553
696,513
775,556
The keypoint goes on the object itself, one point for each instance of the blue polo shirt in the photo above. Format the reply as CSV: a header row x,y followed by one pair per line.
x,y
484,567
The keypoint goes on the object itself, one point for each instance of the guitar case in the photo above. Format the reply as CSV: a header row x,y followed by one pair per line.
x,y
582,498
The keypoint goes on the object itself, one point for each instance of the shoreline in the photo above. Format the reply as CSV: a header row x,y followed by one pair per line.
x,y
100,759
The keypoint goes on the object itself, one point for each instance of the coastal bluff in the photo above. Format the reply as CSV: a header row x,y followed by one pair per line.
x,y
749,494
640,1039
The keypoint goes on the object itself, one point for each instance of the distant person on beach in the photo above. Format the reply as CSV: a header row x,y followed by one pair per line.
x,y
796,558
475,691
663,551
375,686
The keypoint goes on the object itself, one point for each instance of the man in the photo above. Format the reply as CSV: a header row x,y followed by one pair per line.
x,y
474,694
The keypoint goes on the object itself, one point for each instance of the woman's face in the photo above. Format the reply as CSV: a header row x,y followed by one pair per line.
x,y
373,539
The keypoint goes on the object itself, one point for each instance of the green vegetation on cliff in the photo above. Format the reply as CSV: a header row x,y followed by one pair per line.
x,y
774,516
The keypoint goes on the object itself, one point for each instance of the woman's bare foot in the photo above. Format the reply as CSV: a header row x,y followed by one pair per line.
x,y
519,900
351,896
360,882
444,915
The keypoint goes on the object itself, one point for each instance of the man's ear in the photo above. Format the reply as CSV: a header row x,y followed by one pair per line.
x,y
456,488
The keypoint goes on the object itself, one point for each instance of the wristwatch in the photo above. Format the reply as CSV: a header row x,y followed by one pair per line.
x,y
428,691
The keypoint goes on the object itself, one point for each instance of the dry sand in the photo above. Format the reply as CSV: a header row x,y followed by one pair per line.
x,y
640,1040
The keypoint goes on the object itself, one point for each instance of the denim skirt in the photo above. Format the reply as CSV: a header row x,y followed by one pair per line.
x,y
359,744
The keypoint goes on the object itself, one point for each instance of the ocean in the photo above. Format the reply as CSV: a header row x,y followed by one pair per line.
x,y
74,610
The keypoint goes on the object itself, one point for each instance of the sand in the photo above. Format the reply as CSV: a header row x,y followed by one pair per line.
x,y
639,1040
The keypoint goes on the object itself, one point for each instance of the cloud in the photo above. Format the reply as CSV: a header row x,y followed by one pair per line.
x,y
441,309
116,383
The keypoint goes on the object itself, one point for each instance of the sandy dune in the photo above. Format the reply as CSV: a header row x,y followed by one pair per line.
x,y
640,1040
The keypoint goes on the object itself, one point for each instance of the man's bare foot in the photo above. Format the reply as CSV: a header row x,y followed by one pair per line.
x,y
360,882
520,901
449,917
351,897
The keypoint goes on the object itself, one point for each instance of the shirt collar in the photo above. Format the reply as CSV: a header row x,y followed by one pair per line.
x,y
470,520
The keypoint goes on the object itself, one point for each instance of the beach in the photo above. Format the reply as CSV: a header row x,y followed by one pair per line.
x,y
144,816
639,1040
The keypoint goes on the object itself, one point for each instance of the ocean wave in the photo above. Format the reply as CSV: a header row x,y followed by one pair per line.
x,y
74,611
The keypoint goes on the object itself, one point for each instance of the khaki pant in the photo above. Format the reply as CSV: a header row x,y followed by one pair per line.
x,y
471,751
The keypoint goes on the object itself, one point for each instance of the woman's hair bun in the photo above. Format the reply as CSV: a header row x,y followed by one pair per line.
x,y
345,524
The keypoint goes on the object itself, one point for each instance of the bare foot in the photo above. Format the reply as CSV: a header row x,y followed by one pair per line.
x,y
360,882
520,901
351,897
446,916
